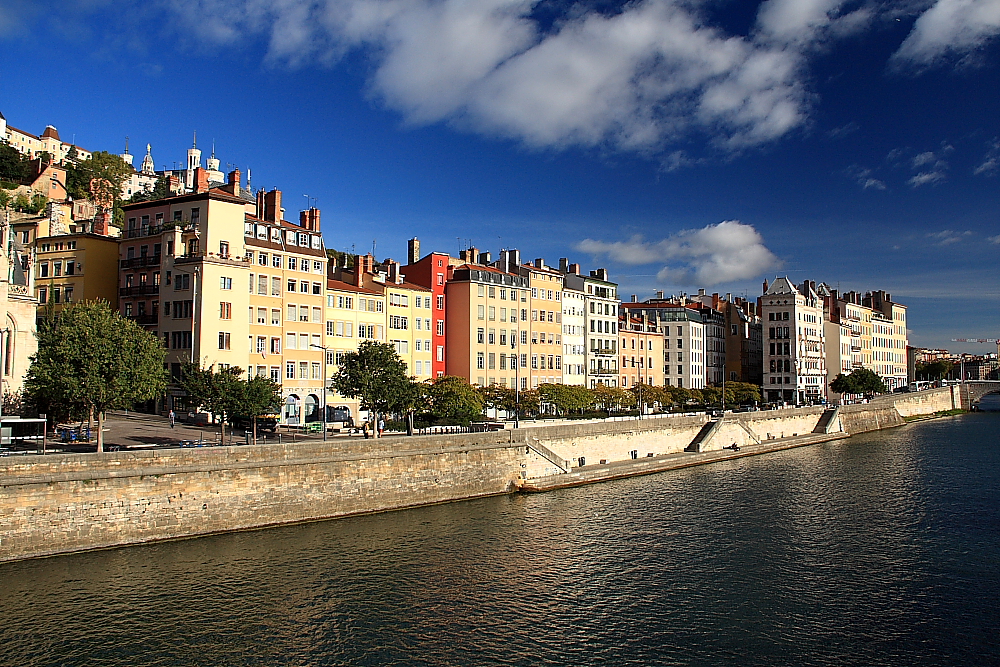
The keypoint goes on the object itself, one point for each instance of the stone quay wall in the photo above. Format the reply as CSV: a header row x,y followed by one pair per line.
x,y
65,503
59,504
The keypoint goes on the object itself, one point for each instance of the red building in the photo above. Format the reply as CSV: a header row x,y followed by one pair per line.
x,y
430,271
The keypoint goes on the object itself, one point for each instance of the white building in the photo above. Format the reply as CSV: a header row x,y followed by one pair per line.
x,y
574,324
794,342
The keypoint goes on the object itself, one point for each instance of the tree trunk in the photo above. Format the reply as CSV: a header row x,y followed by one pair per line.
x,y
255,430
100,431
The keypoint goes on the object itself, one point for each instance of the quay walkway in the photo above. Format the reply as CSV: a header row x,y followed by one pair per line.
x,y
592,474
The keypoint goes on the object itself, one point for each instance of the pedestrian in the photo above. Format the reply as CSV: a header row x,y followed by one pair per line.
x,y
381,427
172,417
364,429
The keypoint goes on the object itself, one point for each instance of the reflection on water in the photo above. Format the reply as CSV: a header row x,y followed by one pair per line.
x,y
881,550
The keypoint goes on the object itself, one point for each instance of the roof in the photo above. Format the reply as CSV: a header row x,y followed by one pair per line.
x,y
781,286
51,133
408,286
190,196
332,283
27,134
281,247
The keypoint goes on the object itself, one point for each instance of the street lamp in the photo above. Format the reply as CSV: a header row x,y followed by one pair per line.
x,y
320,347
517,377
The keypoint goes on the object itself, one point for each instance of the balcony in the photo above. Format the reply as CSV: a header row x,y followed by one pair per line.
x,y
153,230
139,290
137,262
145,319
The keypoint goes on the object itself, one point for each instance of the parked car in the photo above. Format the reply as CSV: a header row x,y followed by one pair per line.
x,y
264,423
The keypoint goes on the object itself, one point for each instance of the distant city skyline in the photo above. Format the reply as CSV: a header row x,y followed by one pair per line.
x,y
681,147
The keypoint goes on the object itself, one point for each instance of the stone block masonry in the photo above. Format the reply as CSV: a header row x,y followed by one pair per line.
x,y
60,504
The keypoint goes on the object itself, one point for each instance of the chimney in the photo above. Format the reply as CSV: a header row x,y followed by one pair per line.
x,y
309,219
765,288
173,183
413,250
701,292
602,274
484,258
539,263
715,301
659,295
234,181
272,206
473,255
635,298
574,269
200,180
393,269
729,297
564,264
101,222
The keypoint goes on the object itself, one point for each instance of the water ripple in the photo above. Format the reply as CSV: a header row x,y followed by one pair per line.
x,y
878,550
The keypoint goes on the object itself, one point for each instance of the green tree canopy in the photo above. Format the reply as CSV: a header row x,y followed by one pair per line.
x,y
99,179
935,370
161,190
497,397
376,376
453,400
91,358
225,394
566,398
14,165
860,381
612,399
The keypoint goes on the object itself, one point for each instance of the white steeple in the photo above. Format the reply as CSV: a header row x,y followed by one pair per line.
x,y
147,162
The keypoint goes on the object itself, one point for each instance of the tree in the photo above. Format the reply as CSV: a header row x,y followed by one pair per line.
x,y
860,381
649,394
21,202
612,399
161,190
935,370
38,203
566,398
528,402
497,397
14,165
99,179
223,393
258,396
454,401
742,393
5,198
376,376
90,358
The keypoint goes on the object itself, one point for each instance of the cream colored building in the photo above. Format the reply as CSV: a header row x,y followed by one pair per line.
x,y
641,352
795,357
17,308
222,278
354,314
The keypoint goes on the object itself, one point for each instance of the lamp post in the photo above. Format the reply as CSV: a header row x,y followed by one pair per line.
x,y
320,347
517,378
194,289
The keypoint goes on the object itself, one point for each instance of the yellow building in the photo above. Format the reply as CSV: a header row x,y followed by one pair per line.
x,y
226,281
545,306
76,267
354,314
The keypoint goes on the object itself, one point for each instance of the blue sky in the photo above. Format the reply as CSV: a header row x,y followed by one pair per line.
x,y
681,144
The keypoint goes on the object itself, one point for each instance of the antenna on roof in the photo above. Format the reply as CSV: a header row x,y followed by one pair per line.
x,y
195,145
126,144
213,148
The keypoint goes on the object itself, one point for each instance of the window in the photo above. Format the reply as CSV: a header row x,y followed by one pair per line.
x,y
290,339
303,314
317,314
291,286
43,269
292,263
275,286
223,340
481,312
276,261
275,346
290,370
292,313
303,287
261,345
262,258
398,322
440,302
275,316
262,285
262,316
224,248
225,311
225,283
440,327
480,360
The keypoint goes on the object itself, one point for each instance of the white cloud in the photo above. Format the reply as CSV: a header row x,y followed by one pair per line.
x,y
864,178
948,236
925,177
715,254
646,78
949,28
995,240
991,161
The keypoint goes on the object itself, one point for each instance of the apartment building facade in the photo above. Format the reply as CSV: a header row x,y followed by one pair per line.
x,y
795,353
224,280
641,351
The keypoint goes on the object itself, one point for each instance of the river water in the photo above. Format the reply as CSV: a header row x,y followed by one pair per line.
x,y
883,549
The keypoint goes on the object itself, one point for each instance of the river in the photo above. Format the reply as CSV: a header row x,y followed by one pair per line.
x,y
883,549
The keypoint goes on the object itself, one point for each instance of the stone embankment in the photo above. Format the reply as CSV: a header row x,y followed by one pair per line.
x,y
66,503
